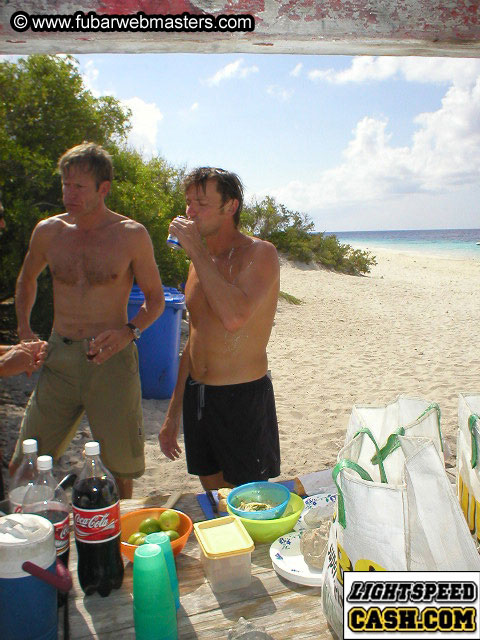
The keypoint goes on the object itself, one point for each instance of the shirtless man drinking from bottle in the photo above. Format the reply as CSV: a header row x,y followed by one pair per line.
x,y
229,418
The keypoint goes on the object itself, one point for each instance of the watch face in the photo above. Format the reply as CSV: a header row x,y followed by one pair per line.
x,y
135,330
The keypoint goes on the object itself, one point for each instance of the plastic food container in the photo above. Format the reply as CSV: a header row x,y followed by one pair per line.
x,y
226,552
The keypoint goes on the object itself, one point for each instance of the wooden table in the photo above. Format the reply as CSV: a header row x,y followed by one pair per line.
x,y
286,610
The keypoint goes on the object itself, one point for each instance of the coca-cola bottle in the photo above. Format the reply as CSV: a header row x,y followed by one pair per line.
x,y
47,498
24,476
96,522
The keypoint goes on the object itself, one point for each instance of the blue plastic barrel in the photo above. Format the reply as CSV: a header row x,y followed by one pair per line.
x,y
159,345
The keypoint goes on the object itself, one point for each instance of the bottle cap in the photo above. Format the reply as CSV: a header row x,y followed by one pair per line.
x,y
44,463
92,449
29,446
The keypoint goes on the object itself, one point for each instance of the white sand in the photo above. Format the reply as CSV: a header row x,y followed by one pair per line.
x,y
411,327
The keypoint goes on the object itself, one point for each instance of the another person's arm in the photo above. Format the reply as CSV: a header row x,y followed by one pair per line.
x,y
169,430
26,288
22,358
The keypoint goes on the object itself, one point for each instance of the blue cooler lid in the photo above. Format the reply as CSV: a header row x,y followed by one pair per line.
x,y
173,297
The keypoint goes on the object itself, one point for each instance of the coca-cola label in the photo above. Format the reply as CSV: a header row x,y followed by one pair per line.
x,y
62,535
96,525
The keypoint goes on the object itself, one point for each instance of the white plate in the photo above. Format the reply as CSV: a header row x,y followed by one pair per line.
x,y
288,562
327,502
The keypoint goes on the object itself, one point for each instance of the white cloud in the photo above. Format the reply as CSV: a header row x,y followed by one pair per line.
x,y
279,92
235,69
194,106
10,58
444,155
413,69
296,70
145,116
90,78
145,119
448,140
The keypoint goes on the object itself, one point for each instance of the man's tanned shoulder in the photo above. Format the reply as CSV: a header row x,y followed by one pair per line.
x,y
131,225
135,231
47,229
263,252
53,222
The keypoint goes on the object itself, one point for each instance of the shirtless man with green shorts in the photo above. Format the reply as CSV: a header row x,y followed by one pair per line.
x,y
93,255
229,418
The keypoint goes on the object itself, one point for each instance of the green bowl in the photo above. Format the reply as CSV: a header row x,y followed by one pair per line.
x,y
264,531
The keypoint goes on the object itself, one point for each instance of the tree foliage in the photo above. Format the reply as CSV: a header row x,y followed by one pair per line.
x,y
151,193
293,234
45,110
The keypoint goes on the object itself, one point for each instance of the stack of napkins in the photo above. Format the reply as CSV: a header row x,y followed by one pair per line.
x,y
312,483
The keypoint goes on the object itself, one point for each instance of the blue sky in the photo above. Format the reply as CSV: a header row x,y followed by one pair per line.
x,y
357,143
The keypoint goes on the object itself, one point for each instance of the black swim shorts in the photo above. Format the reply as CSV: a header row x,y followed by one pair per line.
x,y
231,428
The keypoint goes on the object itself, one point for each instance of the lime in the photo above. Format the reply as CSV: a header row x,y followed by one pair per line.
x,y
169,520
149,525
173,535
137,538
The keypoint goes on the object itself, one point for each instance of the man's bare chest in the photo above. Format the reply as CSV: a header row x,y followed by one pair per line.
x,y
197,300
77,260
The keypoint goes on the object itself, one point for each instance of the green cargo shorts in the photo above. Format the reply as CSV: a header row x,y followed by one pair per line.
x,y
70,385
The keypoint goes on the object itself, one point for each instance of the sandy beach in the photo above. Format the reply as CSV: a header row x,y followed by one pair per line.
x,y
410,327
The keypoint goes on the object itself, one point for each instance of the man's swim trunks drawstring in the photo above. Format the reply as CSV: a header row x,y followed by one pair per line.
x,y
200,397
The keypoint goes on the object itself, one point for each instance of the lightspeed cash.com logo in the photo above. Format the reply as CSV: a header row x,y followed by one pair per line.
x,y
423,604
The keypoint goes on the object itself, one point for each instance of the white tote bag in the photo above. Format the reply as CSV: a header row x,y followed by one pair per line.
x,y
399,515
405,416
468,459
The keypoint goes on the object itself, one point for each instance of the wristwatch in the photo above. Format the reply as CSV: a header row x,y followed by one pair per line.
x,y
135,330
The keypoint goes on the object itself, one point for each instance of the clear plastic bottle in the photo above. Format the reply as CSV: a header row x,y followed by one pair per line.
x,y
46,498
96,521
173,242
24,476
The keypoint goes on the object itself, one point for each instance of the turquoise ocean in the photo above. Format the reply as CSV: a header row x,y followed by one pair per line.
x,y
459,243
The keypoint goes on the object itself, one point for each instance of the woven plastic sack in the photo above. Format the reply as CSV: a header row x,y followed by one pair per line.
x,y
468,459
405,416
396,511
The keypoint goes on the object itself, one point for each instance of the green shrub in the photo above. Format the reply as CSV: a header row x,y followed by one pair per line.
x,y
292,233
289,298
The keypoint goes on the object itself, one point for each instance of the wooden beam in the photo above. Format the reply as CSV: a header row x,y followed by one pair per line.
x,y
353,27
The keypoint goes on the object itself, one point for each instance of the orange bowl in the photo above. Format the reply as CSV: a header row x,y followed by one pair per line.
x,y
130,522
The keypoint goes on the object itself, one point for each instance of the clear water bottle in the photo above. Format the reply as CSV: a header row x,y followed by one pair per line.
x,y
24,476
46,498
96,521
